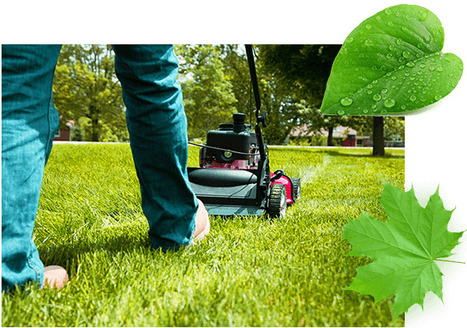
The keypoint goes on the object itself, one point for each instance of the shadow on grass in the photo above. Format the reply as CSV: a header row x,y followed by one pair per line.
x,y
343,153
66,254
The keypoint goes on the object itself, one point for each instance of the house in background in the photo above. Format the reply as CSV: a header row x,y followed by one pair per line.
x,y
64,134
341,135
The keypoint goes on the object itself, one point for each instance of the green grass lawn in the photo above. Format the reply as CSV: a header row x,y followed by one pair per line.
x,y
247,272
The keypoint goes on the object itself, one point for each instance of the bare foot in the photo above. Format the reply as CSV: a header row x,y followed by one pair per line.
x,y
202,222
55,277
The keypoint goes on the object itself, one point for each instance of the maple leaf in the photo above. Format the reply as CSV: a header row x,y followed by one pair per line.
x,y
403,249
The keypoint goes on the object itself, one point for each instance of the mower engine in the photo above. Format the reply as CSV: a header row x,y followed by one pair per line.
x,y
232,146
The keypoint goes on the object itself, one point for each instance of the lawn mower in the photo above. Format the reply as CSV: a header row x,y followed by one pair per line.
x,y
234,176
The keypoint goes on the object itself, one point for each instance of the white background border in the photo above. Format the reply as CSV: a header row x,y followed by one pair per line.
x,y
435,139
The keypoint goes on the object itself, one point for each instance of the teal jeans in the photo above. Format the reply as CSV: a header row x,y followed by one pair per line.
x,y
158,138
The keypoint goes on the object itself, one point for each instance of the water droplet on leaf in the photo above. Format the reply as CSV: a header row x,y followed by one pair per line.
x,y
376,97
427,38
405,54
422,16
413,98
347,101
388,103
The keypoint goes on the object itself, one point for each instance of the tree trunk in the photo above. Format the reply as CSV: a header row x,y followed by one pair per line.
x,y
330,136
378,136
95,134
94,123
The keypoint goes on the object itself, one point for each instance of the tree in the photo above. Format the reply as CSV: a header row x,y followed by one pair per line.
x,y
378,136
87,91
388,127
208,95
305,69
282,112
200,75
235,64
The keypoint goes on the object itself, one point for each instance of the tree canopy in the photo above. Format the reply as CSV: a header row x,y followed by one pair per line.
x,y
208,94
304,71
87,92
215,82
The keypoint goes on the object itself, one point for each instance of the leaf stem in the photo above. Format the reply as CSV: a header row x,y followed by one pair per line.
x,y
449,261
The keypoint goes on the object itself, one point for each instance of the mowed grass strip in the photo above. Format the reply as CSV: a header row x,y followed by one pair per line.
x,y
249,271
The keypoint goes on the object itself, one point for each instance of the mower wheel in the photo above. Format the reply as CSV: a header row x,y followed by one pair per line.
x,y
297,189
277,201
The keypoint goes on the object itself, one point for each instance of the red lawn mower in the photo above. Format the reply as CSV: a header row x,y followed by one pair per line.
x,y
234,176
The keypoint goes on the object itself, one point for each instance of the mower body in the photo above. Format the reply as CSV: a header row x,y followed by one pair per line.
x,y
234,177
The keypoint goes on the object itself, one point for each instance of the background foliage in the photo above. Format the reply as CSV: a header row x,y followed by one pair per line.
x,y
87,92
216,83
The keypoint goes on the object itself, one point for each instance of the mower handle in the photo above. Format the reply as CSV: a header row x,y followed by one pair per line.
x,y
262,119
254,79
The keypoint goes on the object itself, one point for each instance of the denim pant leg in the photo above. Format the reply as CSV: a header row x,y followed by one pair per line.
x,y
158,137
29,123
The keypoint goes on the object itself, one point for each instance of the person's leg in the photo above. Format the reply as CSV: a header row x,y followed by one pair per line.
x,y
158,136
29,123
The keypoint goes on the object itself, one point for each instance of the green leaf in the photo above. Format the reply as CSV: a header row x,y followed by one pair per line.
x,y
403,249
391,64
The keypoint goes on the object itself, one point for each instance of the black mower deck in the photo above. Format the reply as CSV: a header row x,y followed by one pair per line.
x,y
229,192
